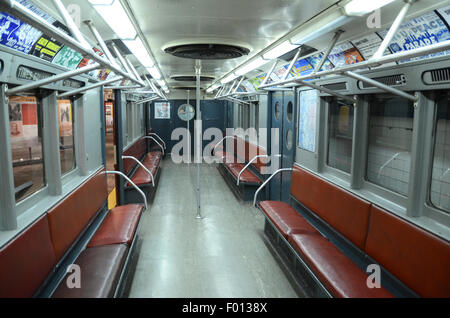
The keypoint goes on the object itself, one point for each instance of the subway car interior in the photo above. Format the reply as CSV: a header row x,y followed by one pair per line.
x,y
248,149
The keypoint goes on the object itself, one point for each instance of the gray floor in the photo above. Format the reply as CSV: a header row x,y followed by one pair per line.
x,y
222,255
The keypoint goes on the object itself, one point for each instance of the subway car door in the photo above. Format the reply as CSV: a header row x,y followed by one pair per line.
x,y
276,143
287,143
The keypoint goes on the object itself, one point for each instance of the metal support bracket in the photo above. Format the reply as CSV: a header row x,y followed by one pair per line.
x,y
336,38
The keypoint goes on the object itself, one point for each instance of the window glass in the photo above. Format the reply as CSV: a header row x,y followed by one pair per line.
x,y
66,136
277,110
440,183
390,140
340,135
290,111
25,122
307,120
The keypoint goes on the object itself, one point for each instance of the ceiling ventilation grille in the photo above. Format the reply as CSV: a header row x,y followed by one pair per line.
x,y
336,86
207,51
191,78
440,76
394,80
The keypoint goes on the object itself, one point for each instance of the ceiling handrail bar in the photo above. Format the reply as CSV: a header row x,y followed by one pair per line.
x,y
142,166
52,79
27,16
144,197
336,38
434,48
87,88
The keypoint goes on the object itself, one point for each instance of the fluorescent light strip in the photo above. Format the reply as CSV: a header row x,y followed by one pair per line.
x,y
363,7
229,78
138,49
280,50
116,17
248,67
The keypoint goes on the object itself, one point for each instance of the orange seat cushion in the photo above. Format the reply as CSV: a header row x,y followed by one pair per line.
x,y
119,226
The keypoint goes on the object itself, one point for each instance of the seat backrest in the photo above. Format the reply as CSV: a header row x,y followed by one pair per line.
x,y
418,258
137,150
26,261
343,211
70,216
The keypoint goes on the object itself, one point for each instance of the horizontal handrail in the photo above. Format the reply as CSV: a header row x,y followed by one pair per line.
x,y
248,165
26,15
144,197
267,181
150,137
142,166
221,141
156,135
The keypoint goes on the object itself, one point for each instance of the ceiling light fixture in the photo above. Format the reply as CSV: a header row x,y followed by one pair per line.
x,y
115,16
363,7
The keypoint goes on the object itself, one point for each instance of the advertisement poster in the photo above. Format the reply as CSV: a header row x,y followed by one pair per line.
x,y
419,32
65,118
162,110
368,45
345,54
308,120
46,47
109,116
315,60
301,68
23,117
445,13
68,58
17,35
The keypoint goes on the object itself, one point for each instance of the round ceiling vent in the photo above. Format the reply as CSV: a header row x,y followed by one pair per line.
x,y
191,78
207,51
186,88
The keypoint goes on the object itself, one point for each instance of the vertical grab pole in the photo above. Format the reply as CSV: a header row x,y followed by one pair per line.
x,y
198,70
189,131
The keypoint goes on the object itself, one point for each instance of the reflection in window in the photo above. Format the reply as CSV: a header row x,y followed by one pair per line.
x,y
277,110
440,183
390,140
340,135
66,136
25,122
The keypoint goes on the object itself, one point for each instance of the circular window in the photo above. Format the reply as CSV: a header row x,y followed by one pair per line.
x,y
277,110
290,111
289,141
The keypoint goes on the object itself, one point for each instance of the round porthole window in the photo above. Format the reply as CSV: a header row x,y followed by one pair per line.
x,y
289,141
290,111
277,110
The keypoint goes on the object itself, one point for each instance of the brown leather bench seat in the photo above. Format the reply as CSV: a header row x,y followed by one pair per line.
x,y
119,226
419,259
340,276
246,177
151,162
286,219
101,267
30,261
